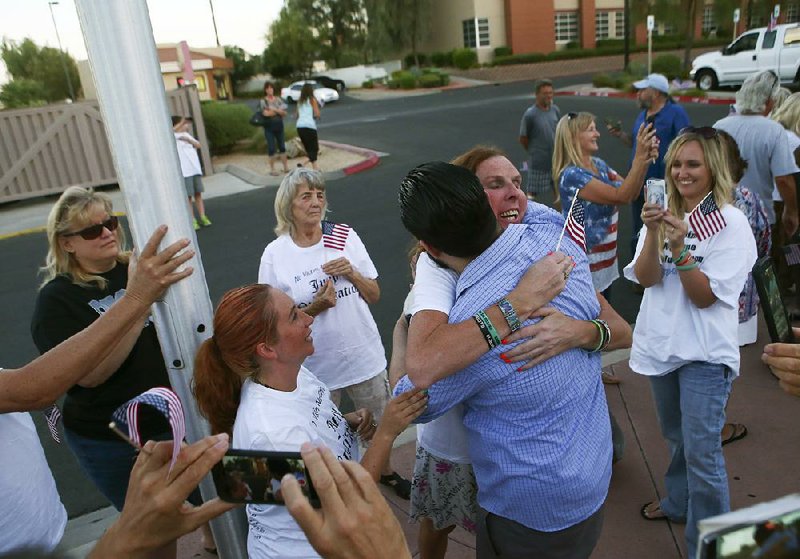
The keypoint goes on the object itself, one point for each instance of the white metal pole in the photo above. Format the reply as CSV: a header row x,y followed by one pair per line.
x,y
649,52
127,75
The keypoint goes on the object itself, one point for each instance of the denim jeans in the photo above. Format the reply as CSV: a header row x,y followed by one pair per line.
x,y
273,132
690,402
108,464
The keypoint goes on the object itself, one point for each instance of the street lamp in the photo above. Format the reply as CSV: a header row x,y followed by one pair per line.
x,y
50,5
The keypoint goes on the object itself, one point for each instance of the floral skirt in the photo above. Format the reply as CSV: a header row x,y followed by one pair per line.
x,y
444,491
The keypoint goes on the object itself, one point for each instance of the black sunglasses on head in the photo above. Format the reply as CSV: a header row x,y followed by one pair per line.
x,y
706,132
94,231
571,115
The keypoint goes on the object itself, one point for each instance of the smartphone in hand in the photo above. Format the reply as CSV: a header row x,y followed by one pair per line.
x,y
254,476
656,192
775,315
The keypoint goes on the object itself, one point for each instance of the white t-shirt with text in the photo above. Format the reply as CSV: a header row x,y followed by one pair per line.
x,y
347,346
187,153
269,419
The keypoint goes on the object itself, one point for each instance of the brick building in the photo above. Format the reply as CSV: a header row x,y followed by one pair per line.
x,y
547,25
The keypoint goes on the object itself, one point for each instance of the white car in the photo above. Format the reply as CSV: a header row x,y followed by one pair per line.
x,y
322,94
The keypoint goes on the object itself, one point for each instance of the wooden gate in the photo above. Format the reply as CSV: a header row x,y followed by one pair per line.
x,y
44,150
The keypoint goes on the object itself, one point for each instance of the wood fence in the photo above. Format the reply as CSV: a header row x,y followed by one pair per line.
x,y
44,150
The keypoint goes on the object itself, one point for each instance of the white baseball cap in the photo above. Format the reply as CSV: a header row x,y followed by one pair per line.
x,y
656,81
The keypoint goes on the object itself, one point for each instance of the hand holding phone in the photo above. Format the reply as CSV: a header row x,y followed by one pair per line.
x,y
656,192
613,125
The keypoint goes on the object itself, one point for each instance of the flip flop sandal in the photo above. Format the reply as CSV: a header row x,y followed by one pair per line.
x,y
401,486
653,513
739,432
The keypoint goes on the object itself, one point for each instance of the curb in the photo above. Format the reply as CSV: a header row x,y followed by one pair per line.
x,y
619,94
372,157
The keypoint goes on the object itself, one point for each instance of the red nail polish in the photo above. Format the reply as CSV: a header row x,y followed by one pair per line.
x,y
549,253
504,341
519,370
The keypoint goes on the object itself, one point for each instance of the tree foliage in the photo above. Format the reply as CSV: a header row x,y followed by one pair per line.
x,y
396,24
245,66
22,93
293,46
27,61
340,25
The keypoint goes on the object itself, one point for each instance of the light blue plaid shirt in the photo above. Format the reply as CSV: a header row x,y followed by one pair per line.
x,y
540,440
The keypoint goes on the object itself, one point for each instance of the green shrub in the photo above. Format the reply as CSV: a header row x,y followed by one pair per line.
x,y
465,58
368,84
393,84
693,92
503,51
409,59
408,82
226,124
616,80
528,58
430,80
669,65
442,58
398,75
257,143
572,45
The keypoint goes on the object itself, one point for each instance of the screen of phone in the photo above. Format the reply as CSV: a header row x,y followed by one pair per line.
x,y
776,537
255,476
780,329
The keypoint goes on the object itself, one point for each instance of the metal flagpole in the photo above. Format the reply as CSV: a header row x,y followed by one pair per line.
x,y
125,68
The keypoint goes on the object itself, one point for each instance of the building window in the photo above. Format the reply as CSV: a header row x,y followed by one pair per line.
x,y
708,19
793,13
619,24
476,32
566,24
601,25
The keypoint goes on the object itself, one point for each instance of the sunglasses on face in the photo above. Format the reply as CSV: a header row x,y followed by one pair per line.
x,y
94,231
706,132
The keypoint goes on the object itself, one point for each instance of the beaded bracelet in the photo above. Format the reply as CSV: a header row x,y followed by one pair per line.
x,y
686,267
510,314
487,329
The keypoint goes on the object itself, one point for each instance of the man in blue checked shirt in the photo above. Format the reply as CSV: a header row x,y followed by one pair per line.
x,y
540,441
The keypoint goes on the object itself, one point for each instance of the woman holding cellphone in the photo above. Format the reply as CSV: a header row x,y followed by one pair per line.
x,y
249,382
692,259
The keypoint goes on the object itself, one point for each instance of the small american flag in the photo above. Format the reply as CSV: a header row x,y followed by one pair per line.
x,y
334,235
706,219
792,253
166,402
773,22
574,225
53,415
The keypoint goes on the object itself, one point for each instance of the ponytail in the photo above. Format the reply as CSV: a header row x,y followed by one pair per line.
x,y
216,388
245,317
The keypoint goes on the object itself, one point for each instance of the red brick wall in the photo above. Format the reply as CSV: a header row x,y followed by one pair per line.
x,y
530,25
586,24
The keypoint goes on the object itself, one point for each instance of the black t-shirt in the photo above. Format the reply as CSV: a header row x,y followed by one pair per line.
x,y
64,309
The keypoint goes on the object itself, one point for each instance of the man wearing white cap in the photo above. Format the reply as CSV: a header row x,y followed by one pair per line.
x,y
669,119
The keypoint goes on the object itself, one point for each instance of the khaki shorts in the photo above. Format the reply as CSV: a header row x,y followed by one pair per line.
x,y
372,394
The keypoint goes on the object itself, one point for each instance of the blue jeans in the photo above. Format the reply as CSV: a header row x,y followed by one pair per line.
x,y
108,464
273,132
690,402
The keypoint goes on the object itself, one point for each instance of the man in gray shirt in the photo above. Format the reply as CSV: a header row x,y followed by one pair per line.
x,y
537,135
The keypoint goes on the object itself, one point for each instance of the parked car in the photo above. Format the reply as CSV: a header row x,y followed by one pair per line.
x,y
333,83
753,51
322,94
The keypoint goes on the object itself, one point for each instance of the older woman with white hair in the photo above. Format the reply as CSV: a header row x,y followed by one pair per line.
x,y
324,267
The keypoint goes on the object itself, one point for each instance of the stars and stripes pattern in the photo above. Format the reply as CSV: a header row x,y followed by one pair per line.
x,y
52,416
167,403
706,219
334,235
792,253
574,226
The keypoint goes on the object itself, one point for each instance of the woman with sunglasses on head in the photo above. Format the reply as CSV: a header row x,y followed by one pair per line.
x,y
600,189
85,273
692,259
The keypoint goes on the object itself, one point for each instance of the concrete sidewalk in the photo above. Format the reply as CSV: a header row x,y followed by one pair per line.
x,y
761,467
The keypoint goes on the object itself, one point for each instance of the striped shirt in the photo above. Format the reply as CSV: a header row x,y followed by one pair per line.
x,y
540,441
601,220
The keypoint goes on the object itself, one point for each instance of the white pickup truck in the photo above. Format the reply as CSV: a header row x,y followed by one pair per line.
x,y
753,51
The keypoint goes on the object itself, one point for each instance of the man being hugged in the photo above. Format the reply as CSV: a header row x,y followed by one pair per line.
x,y
539,441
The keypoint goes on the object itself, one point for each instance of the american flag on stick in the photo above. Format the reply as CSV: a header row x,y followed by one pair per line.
x,y
706,219
165,401
792,253
573,226
334,235
53,415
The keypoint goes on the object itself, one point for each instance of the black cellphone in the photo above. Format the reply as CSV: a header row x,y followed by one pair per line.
x,y
650,120
778,323
613,124
254,476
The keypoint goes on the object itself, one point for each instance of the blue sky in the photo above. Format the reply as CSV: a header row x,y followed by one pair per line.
x,y
240,22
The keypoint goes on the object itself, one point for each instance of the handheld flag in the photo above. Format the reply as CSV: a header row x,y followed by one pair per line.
x,y
574,225
165,401
334,235
706,219
792,253
52,415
